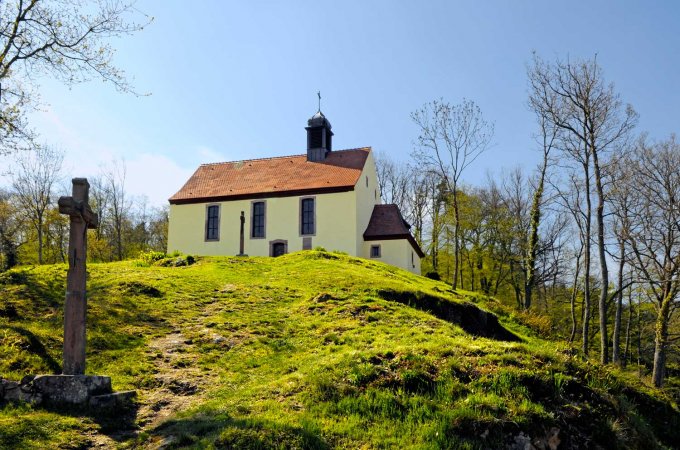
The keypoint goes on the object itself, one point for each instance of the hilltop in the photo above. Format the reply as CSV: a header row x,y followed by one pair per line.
x,y
312,350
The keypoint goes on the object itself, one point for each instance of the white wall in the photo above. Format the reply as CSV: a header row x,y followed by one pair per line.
x,y
396,252
335,225
367,198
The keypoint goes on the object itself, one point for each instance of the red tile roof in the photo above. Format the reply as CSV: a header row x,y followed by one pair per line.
x,y
272,177
386,223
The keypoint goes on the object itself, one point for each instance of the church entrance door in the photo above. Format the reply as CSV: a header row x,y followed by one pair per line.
x,y
278,249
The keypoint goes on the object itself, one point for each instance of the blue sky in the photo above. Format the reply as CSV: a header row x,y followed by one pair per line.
x,y
238,80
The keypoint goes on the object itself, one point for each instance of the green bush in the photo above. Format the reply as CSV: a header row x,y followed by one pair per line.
x,y
433,276
151,256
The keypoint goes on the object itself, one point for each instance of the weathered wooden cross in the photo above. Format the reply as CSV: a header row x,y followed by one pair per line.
x,y
75,308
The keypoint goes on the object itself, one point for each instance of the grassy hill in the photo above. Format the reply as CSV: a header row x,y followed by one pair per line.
x,y
312,350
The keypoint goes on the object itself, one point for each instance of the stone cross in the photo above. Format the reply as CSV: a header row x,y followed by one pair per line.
x,y
75,308
242,239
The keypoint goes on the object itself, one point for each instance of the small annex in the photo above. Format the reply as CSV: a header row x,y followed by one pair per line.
x,y
272,206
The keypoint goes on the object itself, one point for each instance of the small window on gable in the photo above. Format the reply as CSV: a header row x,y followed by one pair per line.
x,y
413,260
367,181
212,223
258,220
375,251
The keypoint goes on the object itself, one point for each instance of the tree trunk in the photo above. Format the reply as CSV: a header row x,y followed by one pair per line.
x,y
456,240
119,241
40,240
661,341
435,236
639,338
619,306
626,350
604,272
534,222
586,273
572,300
515,285
472,278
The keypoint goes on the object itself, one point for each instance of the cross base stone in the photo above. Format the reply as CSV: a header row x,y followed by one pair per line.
x,y
71,389
91,391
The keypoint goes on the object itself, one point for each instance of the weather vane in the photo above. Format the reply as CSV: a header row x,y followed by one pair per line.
x,y
319,94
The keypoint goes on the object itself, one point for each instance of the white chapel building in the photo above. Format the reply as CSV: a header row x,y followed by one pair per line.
x,y
328,198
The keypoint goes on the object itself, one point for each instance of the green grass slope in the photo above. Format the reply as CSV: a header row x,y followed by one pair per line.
x,y
311,350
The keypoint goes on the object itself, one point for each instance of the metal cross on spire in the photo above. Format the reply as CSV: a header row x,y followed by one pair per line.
x,y
319,94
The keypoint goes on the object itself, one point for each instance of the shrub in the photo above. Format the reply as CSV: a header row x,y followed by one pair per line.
x,y
540,323
175,260
151,256
433,276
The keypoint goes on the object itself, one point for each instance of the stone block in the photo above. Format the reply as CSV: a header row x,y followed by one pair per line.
x,y
112,401
71,389
13,391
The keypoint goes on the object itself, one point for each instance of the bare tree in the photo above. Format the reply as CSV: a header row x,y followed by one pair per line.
x,y
498,236
451,138
570,197
408,188
541,100
654,236
622,196
33,182
517,201
574,290
397,183
419,205
65,39
158,229
537,255
119,205
592,121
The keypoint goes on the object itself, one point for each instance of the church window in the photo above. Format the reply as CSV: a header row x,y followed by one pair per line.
x,y
375,251
212,223
307,216
258,220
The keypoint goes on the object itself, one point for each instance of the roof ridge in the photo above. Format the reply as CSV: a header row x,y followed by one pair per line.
x,y
281,157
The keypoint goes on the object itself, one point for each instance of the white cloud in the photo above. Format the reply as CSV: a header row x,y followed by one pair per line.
x,y
209,155
155,176
90,150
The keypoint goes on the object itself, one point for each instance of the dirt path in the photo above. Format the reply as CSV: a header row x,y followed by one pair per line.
x,y
177,385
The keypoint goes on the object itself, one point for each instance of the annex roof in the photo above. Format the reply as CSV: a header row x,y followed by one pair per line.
x,y
387,223
272,177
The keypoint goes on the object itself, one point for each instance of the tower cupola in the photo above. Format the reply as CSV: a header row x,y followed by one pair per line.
x,y
319,136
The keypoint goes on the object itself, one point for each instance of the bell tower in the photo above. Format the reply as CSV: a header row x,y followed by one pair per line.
x,y
319,136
